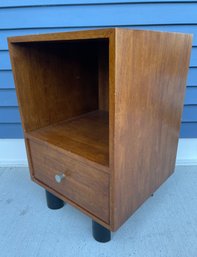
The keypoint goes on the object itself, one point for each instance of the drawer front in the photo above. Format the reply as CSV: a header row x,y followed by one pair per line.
x,y
82,184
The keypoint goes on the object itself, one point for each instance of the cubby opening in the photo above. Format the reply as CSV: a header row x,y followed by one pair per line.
x,y
65,94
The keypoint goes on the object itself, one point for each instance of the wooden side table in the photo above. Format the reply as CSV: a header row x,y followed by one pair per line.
x,y
101,113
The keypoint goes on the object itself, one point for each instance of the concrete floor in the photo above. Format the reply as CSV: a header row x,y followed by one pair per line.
x,y
165,226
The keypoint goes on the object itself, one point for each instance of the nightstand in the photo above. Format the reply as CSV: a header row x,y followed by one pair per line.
x,y
101,113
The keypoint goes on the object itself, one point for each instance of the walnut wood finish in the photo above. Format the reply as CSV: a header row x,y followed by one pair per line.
x,y
56,70
86,135
150,79
103,62
82,184
106,105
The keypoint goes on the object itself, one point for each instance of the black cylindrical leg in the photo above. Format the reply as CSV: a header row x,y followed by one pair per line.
x,y
100,233
53,202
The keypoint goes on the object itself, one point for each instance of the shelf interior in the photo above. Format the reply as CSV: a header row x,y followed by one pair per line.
x,y
64,94
86,135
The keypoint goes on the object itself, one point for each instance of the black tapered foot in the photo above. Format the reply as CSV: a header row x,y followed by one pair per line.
x,y
100,233
53,202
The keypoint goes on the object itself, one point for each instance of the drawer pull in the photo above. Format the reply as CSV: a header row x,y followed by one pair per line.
x,y
59,177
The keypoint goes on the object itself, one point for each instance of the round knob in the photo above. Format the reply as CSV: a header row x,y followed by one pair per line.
x,y
59,177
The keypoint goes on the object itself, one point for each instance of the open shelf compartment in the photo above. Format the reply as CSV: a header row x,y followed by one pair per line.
x,y
64,94
85,135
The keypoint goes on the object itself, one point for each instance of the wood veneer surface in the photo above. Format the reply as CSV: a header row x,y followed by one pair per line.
x,y
150,81
86,135
138,77
82,183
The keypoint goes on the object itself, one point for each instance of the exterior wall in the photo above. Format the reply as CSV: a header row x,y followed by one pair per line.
x,y
20,17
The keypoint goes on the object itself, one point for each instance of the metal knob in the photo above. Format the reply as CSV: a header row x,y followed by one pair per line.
x,y
59,177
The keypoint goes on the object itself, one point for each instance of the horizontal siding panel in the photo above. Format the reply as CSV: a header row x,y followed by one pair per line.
x,y
11,130
5,60
8,97
193,60
47,17
191,96
188,130
12,115
189,114
9,115
192,77
19,3
99,15
4,34
6,65
6,79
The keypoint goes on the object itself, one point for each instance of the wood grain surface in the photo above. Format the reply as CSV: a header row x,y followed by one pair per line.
x,y
87,187
150,80
86,136
111,100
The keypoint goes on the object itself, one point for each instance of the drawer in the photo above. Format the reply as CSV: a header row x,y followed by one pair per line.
x,y
84,185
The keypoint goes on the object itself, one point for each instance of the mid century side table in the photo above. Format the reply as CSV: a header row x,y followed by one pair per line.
x,y
101,114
